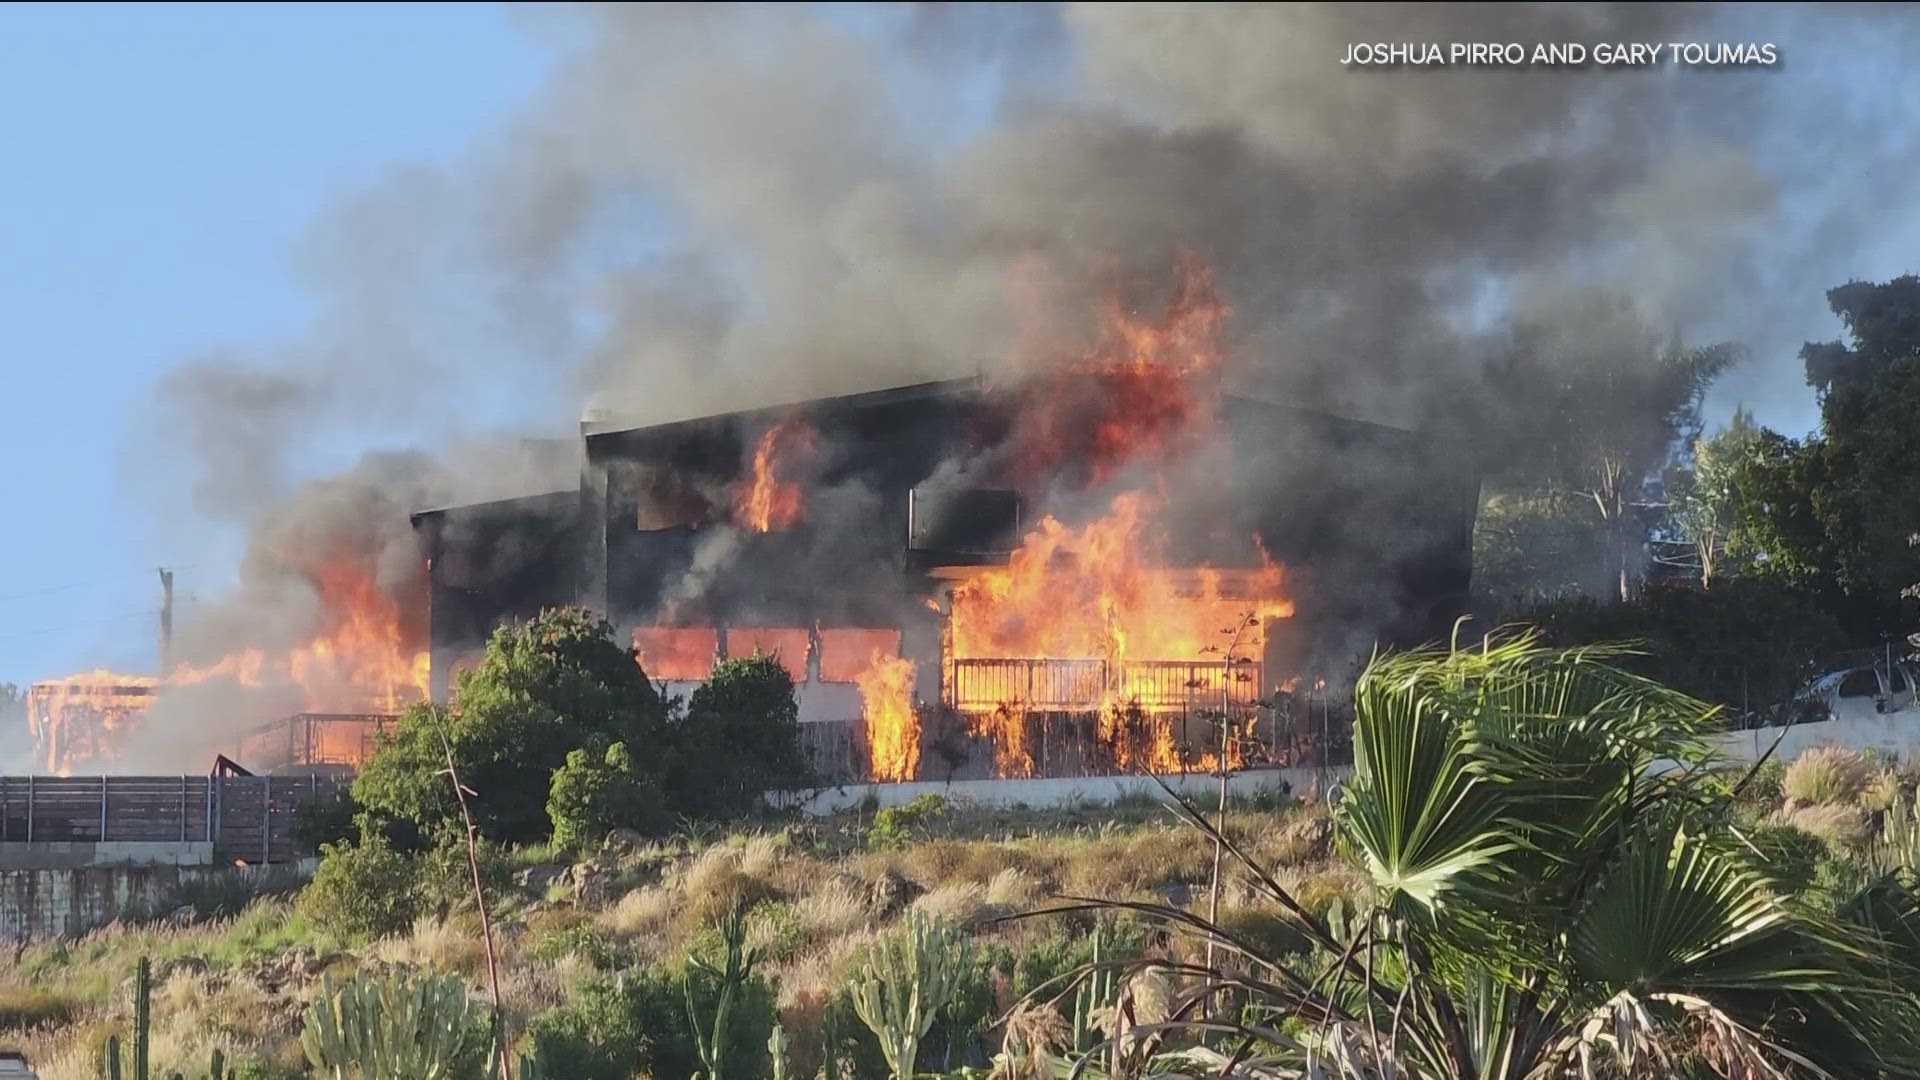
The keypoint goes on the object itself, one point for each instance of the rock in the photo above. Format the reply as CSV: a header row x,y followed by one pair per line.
x,y
1175,894
891,893
1308,838
536,879
623,844
591,880
192,965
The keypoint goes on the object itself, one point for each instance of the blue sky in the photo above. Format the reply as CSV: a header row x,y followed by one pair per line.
x,y
160,164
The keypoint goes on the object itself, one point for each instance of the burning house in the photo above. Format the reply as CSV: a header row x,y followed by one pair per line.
x,y
1073,574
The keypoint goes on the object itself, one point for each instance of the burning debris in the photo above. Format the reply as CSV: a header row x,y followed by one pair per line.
x,y
85,718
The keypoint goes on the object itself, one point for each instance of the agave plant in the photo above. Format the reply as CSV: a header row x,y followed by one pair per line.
x,y
373,1029
1544,902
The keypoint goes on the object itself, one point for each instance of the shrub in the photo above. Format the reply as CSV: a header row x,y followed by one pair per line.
x,y
1844,827
445,874
898,824
639,1025
326,821
586,941
592,795
1881,792
1825,775
546,687
366,889
1787,855
397,1026
740,738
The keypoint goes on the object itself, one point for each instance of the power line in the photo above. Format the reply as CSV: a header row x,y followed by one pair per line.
x,y
144,613
70,586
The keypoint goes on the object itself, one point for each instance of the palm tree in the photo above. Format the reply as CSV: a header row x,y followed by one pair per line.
x,y
1547,900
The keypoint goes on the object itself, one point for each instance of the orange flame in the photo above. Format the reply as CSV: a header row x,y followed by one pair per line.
x,y
83,718
1142,391
1096,594
1122,634
360,662
767,502
893,728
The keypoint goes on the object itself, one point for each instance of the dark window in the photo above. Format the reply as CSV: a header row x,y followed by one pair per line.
x,y
1862,683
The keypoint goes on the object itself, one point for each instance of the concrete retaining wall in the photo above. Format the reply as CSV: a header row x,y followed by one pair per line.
x,y
69,900
1895,733
72,854
1071,791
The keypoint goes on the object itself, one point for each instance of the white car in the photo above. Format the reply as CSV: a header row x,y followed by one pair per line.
x,y
1862,693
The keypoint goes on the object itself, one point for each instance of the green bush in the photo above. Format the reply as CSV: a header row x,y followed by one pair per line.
x,y
362,890
739,738
592,795
445,875
586,941
1787,856
638,1025
1746,644
545,688
327,821
899,824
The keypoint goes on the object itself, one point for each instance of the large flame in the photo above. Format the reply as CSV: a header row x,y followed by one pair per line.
x,y
893,728
769,500
1098,593
1118,633
362,660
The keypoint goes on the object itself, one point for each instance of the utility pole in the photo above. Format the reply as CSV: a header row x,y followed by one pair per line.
x,y
166,622
1227,675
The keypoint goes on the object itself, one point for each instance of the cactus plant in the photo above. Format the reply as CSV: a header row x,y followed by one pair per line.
x,y
142,1031
373,1029
731,975
777,1052
904,982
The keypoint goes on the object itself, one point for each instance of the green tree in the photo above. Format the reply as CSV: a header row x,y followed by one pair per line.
x,y
546,688
1883,326
1706,498
591,796
739,738
1544,902
1836,506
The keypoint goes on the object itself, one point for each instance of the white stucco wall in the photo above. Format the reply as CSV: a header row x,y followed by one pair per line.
x,y
1894,733
1068,791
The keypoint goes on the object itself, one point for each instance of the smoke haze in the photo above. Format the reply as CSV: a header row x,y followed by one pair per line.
x,y
708,209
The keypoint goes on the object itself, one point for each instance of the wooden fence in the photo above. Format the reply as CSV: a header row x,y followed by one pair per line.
x,y
248,819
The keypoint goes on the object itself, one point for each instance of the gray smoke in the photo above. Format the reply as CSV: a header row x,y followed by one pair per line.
x,y
708,209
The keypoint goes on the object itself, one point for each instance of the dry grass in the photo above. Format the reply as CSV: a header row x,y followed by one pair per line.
x,y
242,984
1826,775
452,945
1846,827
